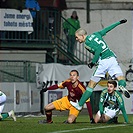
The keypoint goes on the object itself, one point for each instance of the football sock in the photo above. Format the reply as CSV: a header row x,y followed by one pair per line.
x,y
4,115
122,83
89,110
49,116
86,95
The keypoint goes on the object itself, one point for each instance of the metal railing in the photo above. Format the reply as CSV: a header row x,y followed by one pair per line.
x,y
48,35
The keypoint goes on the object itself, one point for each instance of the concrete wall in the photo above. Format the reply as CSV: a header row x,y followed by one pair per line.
x,y
37,56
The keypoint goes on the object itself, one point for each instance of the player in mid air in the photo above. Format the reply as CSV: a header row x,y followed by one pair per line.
x,y
75,90
104,58
110,104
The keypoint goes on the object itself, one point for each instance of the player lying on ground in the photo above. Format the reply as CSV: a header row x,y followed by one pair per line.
x,y
75,90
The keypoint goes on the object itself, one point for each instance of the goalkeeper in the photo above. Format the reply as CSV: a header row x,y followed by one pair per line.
x,y
104,57
75,90
111,103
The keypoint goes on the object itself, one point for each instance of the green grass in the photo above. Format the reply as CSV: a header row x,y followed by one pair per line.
x,y
30,125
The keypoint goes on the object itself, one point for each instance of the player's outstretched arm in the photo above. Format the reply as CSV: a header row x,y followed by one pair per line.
x,y
43,90
112,26
123,21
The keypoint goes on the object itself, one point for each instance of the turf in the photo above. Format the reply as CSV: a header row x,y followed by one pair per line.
x,y
82,125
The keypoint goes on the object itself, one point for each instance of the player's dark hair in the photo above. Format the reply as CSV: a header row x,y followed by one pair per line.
x,y
75,71
113,82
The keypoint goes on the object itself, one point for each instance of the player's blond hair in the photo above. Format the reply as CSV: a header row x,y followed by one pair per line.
x,y
81,32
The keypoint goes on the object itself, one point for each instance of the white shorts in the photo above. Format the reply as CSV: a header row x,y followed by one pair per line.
x,y
109,112
2,102
107,65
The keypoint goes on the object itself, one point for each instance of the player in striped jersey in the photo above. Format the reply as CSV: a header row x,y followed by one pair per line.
x,y
75,90
111,103
104,58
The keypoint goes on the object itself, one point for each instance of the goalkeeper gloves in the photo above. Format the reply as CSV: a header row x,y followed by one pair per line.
x,y
123,21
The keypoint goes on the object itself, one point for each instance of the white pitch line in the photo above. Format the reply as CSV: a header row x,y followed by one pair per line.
x,y
91,128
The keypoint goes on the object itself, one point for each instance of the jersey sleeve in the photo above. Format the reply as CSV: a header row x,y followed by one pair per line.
x,y
97,54
101,102
63,84
109,28
122,107
53,87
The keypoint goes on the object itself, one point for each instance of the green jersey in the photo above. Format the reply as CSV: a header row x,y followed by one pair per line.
x,y
96,45
72,25
112,101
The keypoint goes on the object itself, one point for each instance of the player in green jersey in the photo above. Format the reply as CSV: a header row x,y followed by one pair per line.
x,y
111,103
104,57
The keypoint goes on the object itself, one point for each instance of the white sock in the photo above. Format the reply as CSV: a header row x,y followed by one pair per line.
x,y
9,113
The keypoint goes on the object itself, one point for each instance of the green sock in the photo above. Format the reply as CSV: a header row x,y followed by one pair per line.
x,y
86,95
4,116
110,121
122,83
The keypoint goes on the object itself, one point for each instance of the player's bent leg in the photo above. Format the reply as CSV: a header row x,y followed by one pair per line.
x,y
86,95
12,115
121,86
4,116
48,119
76,105
71,119
113,120
97,118
107,118
0,117
48,112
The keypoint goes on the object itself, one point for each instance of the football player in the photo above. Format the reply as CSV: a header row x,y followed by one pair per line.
x,y
104,58
111,103
75,90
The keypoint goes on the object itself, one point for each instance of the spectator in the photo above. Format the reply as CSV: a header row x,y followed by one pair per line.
x,y
70,26
2,104
110,104
34,7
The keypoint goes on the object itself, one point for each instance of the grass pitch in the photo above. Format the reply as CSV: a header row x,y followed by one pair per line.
x,y
82,125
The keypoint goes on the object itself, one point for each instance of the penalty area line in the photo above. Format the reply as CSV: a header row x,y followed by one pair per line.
x,y
91,128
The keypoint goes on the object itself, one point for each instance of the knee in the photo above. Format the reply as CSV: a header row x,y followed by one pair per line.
x,y
46,108
70,120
